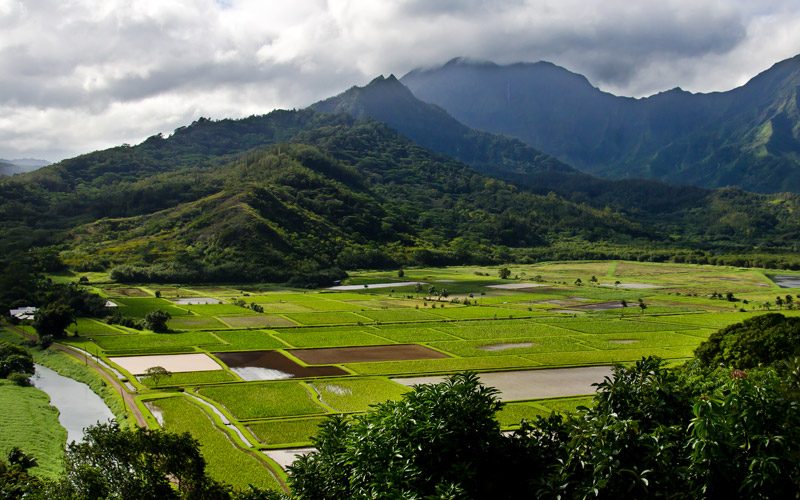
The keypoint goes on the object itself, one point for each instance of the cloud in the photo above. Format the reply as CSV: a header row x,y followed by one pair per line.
x,y
81,75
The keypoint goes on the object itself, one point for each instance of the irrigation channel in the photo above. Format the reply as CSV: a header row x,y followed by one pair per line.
x,y
78,406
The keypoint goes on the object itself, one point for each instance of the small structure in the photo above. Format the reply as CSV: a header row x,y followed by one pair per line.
x,y
111,304
23,313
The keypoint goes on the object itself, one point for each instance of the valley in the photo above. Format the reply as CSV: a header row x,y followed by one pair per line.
x,y
250,385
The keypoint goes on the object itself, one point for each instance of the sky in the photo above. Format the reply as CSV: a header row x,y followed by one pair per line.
x,y
82,75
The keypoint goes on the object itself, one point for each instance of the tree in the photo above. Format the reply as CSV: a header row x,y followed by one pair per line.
x,y
53,319
156,373
642,306
593,280
779,302
504,273
14,359
136,463
157,321
578,282
15,481
438,441
400,273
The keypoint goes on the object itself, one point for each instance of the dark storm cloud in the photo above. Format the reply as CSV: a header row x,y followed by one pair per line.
x,y
80,75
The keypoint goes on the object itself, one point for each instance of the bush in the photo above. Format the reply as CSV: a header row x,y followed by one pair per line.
x,y
14,359
21,379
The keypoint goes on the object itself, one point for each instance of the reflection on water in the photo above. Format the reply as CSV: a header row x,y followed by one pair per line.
x,y
77,405
787,281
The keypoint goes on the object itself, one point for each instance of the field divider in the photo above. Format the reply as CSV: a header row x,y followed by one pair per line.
x,y
312,390
217,417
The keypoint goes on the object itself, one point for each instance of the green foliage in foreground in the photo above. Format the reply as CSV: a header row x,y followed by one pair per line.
x,y
757,341
652,433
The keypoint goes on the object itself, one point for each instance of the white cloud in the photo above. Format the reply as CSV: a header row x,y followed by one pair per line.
x,y
80,75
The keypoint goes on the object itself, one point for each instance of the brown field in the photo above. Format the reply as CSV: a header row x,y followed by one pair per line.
x,y
246,365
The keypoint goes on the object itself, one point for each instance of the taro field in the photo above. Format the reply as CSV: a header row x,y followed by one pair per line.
x,y
257,369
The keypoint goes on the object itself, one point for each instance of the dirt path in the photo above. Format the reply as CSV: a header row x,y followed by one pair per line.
x,y
128,398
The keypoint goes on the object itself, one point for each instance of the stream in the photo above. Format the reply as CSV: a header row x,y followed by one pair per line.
x,y
78,406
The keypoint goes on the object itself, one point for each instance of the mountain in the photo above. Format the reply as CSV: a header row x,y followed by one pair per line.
x,y
389,101
21,165
747,137
301,195
289,195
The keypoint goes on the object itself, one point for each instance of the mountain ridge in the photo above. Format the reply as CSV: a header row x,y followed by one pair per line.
x,y
705,139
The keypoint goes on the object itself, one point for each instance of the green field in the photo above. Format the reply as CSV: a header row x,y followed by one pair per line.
x,y
556,324
270,399
287,431
225,462
30,423
356,395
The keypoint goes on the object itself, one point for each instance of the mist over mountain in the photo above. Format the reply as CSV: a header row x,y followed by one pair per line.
x,y
747,137
20,165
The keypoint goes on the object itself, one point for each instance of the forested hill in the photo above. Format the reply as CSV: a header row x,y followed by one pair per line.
x,y
343,196
301,196
747,137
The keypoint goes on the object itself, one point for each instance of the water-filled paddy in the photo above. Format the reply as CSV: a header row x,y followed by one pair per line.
x,y
787,281
534,384
272,365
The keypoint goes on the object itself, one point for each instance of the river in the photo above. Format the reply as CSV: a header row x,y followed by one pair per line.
x,y
78,406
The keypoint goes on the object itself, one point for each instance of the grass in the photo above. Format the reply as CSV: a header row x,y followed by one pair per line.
x,y
398,315
191,378
609,325
244,340
30,423
195,323
406,334
257,321
598,357
327,318
139,307
334,338
441,365
540,344
219,309
264,400
285,432
484,330
157,342
91,328
224,461
356,395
